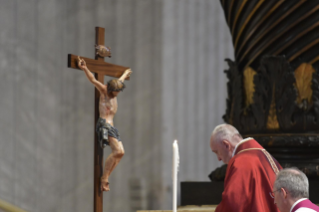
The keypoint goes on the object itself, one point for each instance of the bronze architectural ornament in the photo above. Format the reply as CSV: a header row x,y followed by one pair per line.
x,y
303,75
249,74
273,87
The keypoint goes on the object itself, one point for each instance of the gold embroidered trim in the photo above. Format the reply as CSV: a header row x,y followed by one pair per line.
x,y
245,140
271,161
244,150
240,143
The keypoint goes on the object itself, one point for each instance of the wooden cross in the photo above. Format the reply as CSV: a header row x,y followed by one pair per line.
x,y
100,69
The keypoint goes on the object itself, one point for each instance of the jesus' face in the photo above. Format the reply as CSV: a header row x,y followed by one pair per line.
x,y
115,93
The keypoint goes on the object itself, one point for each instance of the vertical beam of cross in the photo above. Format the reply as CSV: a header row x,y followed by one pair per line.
x,y
98,151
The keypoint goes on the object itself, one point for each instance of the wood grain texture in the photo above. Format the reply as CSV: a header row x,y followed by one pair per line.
x,y
97,66
98,150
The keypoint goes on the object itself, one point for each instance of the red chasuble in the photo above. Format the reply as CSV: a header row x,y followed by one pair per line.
x,y
250,176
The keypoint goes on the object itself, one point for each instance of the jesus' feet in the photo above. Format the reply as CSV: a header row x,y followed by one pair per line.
x,y
105,184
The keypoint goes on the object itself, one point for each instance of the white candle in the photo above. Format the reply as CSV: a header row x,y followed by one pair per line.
x,y
175,170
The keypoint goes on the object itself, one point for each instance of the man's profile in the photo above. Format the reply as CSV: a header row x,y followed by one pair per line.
x,y
291,192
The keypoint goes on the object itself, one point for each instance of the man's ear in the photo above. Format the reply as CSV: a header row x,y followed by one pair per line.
x,y
226,144
284,193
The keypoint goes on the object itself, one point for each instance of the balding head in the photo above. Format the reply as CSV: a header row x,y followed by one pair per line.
x,y
223,141
226,132
291,185
295,181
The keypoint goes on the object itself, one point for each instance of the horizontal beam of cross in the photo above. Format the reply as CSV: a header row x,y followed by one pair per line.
x,y
97,66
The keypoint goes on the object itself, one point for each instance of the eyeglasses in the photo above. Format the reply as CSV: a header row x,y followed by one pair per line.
x,y
272,194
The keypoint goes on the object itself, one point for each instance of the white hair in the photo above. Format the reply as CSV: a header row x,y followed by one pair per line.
x,y
225,132
295,181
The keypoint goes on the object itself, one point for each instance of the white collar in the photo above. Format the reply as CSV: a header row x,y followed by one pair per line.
x,y
242,141
299,200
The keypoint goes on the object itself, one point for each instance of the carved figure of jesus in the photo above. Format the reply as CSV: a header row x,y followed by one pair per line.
x,y
107,133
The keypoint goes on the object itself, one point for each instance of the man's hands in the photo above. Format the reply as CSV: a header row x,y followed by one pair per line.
x,y
81,63
127,73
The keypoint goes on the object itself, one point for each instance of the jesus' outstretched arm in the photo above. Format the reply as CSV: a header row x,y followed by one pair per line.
x,y
82,65
125,75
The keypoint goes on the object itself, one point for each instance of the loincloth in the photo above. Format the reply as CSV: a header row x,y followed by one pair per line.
x,y
104,130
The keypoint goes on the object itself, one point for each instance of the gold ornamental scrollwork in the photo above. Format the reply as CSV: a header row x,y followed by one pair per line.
x,y
303,76
249,85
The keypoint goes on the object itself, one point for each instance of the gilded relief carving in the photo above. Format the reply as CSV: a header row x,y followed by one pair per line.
x,y
249,85
303,75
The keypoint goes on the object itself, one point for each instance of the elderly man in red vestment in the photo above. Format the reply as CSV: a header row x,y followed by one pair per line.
x,y
250,175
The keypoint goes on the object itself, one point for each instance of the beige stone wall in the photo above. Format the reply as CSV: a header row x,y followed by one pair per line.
x,y
176,50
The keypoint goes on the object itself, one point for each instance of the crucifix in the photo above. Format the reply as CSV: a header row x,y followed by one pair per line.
x,y
105,107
